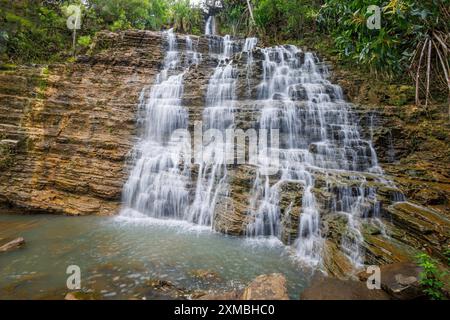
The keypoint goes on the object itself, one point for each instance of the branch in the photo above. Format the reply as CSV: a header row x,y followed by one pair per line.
x,y
418,72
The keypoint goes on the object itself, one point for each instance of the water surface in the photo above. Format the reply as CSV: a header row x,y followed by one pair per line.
x,y
118,257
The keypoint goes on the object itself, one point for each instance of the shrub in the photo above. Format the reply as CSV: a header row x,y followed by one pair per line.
x,y
85,41
430,277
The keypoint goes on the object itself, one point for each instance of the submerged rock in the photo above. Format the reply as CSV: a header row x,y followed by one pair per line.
x,y
156,289
205,275
80,295
12,245
232,295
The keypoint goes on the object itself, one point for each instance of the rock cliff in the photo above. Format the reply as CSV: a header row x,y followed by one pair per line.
x,y
69,127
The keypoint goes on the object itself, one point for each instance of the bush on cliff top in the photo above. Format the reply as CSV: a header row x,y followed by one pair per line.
x,y
36,31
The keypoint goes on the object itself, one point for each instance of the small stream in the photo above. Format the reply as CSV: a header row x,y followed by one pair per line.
x,y
119,256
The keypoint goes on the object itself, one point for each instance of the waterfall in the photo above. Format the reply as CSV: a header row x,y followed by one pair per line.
x,y
157,184
318,136
218,116
249,46
320,148
192,56
210,27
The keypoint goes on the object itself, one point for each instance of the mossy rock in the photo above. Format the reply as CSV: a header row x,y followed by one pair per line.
x,y
400,95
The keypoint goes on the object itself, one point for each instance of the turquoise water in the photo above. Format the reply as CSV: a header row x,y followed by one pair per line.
x,y
117,257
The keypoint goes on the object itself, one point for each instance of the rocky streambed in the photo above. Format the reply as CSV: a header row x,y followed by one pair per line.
x,y
122,259
119,259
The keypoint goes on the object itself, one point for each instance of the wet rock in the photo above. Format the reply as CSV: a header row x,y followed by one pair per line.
x,y
267,287
291,195
421,225
232,295
328,288
401,280
12,245
205,275
232,207
430,196
380,250
81,295
156,289
335,262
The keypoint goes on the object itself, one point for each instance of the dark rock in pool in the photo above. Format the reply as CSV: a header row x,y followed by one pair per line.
x,y
156,289
12,245
205,275
327,288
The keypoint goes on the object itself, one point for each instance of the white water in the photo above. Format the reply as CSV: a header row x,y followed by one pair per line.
x,y
249,46
210,28
318,136
218,116
157,185
319,139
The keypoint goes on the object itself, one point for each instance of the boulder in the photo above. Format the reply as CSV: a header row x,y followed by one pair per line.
x,y
401,280
267,287
328,288
12,245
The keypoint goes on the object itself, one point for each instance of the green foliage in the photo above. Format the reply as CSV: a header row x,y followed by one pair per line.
x,y
185,18
430,277
31,32
126,14
84,41
275,19
404,23
447,255
147,14
36,30
286,18
235,18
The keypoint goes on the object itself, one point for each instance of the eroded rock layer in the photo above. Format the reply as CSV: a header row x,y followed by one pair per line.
x,y
72,125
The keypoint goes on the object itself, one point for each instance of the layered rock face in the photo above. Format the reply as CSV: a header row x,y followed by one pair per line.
x,y
67,132
69,127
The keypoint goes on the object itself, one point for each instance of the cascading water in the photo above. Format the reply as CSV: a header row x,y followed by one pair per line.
x,y
157,183
318,135
218,116
249,46
210,27
192,56
319,141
